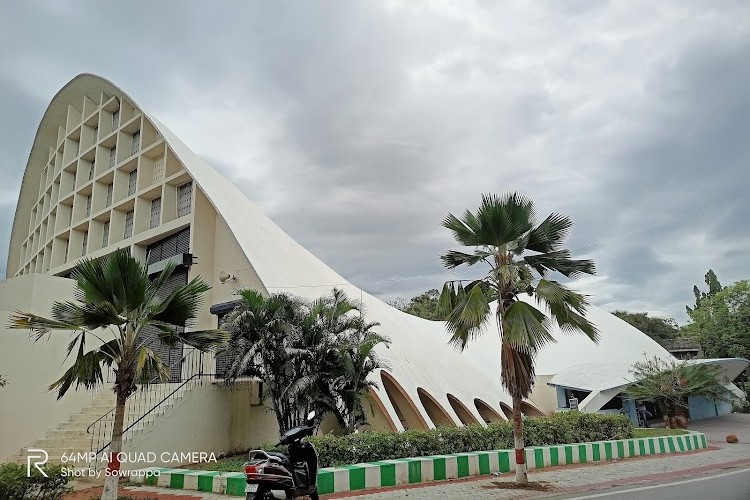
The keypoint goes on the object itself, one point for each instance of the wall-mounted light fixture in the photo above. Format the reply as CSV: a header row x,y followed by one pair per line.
x,y
225,276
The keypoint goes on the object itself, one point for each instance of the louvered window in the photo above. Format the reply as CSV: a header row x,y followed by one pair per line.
x,y
112,157
105,234
75,175
91,171
155,212
184,199
85,245
88,205
169,247
158,170
96,134
67,247
136,144
76,148
132,182
110,190
129,224
115,119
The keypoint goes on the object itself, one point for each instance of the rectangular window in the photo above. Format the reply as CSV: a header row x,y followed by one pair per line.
x,y
158,170
96,134
129,224
132,182
105,234
76,148
115,119
184,199
75,175
110,190
112,157
85,246
155,212
88,206
91,171
67,247
136,144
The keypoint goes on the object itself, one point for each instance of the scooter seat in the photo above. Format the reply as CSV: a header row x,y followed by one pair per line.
x,y
280,458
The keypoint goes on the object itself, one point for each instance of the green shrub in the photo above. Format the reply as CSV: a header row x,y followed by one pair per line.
x,y
15,485
561,428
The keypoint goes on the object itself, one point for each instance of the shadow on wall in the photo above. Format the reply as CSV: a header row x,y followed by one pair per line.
x,y
434,410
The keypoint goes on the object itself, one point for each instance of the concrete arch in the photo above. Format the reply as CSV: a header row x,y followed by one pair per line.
x,y
404,407
463,413
530,410
488,414
507,410
376,414
435,410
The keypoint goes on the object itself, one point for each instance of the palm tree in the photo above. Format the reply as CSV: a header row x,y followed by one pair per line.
x,y
505,236
262,329
356,360
114,302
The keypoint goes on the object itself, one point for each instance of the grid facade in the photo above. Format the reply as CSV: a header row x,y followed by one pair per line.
x,y
110,181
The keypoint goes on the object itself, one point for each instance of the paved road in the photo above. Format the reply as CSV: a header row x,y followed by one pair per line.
x,y
729,485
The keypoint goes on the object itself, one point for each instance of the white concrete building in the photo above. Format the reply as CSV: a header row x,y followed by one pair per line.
x,y
103,174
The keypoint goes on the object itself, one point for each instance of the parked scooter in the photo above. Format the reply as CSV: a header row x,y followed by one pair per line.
x,y
270,474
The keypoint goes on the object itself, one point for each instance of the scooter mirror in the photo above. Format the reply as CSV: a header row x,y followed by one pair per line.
x,y
311,416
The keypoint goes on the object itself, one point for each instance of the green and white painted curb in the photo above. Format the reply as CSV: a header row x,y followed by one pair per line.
x,y
435,468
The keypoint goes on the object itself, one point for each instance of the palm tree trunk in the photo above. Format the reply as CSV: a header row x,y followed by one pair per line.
x,y
521,477
113,468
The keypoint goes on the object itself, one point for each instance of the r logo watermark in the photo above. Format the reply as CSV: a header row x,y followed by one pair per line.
x,y
38,458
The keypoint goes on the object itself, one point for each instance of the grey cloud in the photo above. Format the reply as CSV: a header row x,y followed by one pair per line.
x,y
358,126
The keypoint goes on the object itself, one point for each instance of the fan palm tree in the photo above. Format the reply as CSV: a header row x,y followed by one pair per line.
x,y
505,236
114,302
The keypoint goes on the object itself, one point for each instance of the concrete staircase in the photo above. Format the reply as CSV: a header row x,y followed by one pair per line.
x,y
70,438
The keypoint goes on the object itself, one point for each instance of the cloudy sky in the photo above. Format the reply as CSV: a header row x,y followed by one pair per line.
x,y
357,126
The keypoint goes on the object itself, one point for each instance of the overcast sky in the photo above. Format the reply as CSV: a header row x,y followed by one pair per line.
x,y
357,126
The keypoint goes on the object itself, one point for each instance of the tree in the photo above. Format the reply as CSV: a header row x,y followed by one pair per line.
x,y
720,322
115,298
260,344
669,384
714,287
655,327
505,236
312,356
423,305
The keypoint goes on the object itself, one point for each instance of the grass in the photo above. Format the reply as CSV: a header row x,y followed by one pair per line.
x,y
643,433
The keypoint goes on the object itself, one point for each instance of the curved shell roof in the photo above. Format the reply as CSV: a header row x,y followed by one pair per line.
x,y
419,356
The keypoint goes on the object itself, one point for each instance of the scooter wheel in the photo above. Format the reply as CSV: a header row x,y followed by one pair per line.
x,y
314,495
261,494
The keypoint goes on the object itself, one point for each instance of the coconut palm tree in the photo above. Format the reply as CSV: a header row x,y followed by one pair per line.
x,y
114,303
505,236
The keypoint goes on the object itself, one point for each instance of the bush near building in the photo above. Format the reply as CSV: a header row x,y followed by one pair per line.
x,y
15,485
559,428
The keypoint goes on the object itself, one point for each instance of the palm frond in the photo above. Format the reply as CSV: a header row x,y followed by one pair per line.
x,y
567,308
181,306
560,261
453,259
550,234
517,370
467,318
150,367
524,328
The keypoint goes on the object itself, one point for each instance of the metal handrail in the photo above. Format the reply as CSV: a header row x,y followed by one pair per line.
x,y
197,375
144,401
152,381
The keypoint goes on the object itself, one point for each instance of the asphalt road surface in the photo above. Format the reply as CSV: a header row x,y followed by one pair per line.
x,y
725,485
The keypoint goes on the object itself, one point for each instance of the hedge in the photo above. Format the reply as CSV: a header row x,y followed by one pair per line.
x,y
560,428
15,485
